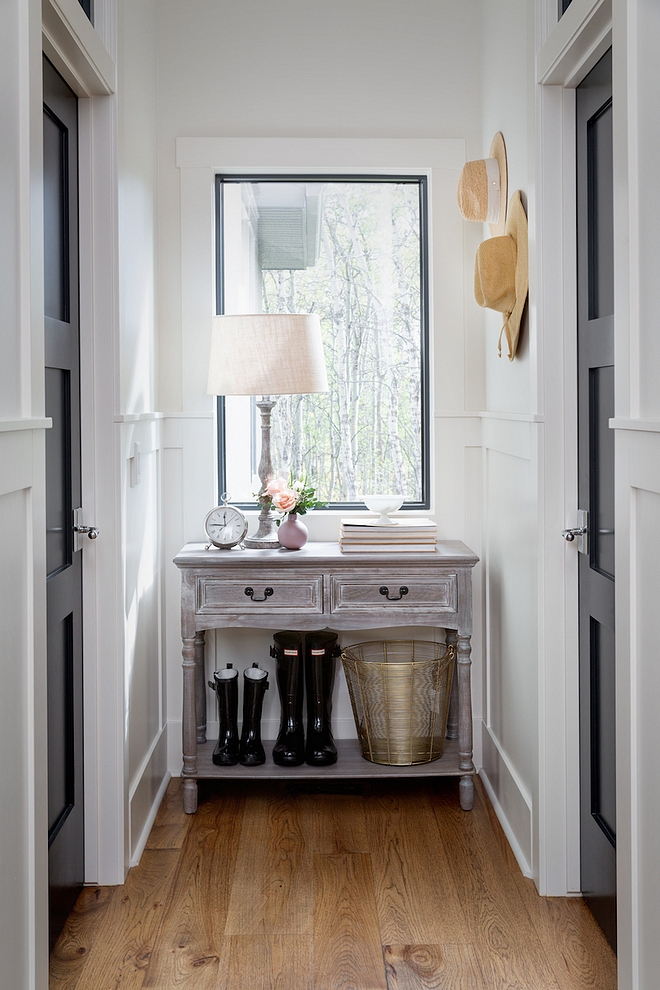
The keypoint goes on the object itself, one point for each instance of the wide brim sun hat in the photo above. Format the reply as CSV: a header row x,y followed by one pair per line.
x,y
501,276
483,188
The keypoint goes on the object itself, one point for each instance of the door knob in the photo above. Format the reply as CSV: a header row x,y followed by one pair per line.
x,y
91,531
79,530
579,533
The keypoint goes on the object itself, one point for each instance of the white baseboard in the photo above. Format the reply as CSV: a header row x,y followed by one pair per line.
x,y
144,835
146,793
510,801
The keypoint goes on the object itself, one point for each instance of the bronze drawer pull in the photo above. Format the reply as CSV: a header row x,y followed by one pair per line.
x,y
250,593
384,590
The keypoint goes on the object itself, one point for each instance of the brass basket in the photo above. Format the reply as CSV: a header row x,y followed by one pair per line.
x,y
400,696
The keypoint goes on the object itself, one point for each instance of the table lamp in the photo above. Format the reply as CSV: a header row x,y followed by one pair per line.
x,y
266,354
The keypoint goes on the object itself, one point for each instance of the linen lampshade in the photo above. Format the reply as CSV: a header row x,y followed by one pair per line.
x,y
267,354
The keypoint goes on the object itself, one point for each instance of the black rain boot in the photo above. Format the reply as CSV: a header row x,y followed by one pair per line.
x,y
255,685
320,651
289,749
225,685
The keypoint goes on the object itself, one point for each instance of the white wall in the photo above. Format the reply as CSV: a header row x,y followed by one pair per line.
x,y
295,70
512,434
137,424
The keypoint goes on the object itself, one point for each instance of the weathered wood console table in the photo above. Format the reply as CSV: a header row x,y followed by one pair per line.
x,y
318,587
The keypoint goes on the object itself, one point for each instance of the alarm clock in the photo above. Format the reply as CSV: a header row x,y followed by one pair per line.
x,y
225,525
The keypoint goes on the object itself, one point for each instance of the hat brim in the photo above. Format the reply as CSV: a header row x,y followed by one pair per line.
x,y
516,227
498,151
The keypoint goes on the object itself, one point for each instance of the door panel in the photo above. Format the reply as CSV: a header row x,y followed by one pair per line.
x,y
602,711
64,567
596,493
58,469
601,442
56,219
60,723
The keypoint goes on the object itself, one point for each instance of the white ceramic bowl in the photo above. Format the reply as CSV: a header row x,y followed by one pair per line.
x,y
383,504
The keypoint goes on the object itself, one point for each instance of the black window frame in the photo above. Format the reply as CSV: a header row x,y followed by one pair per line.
x,y
422,182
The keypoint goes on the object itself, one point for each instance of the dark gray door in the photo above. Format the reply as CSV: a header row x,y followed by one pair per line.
x,y
64,564
596,492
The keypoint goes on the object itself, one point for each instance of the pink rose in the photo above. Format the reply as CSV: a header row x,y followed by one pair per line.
x,y
285,500
276,486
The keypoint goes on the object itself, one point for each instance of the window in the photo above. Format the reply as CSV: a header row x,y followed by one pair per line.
x,y
354,250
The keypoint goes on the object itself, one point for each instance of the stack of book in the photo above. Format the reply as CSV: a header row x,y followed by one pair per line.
x,y
401,536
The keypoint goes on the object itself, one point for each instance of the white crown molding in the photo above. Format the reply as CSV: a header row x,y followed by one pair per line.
x,y
75,49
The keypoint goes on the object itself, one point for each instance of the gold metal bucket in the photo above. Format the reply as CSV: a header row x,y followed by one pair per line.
x,y
400,696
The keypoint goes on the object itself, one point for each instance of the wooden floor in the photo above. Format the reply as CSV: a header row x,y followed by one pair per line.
x,y
376,886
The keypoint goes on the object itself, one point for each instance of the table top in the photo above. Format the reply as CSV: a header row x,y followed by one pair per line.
x,y
451,553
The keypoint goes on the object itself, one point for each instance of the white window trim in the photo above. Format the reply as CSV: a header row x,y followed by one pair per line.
x,y
440,159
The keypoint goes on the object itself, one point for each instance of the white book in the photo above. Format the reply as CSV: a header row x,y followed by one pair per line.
x,y
404,523
387,548
375,538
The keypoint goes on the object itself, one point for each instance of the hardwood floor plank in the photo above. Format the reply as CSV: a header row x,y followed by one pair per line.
x,y
509,949
78,939
171,824
266,962
574,944
171,807
577,950
167,836
337,870
347,950
125,941
188,950
416,895
272,890
339,824
432,967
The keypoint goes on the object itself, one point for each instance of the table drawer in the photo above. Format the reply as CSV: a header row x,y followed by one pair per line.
x,y
256,593
401,591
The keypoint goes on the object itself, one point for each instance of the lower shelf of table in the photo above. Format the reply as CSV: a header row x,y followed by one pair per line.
x,y
350,764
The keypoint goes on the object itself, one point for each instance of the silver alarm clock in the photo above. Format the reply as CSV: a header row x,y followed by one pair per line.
x,y
225,525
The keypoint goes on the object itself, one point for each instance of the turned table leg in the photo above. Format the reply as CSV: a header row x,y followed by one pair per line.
x,y
189,724
200,687
451,638
463,664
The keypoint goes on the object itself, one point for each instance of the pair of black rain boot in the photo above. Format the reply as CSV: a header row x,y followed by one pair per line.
x,y
250,751
321,648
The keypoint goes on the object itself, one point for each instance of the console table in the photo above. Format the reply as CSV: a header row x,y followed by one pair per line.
x,y
318,587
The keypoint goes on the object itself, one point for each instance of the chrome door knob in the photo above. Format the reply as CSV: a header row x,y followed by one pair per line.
x,y
579,534
570,534
91,531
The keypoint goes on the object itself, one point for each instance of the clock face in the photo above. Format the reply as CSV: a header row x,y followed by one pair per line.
x,y
225,526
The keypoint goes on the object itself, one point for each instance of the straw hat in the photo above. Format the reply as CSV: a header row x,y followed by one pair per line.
x,y
500,273
483,188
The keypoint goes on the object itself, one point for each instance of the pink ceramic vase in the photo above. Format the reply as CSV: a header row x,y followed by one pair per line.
x,y
291,533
